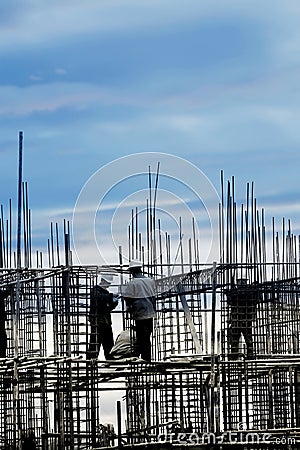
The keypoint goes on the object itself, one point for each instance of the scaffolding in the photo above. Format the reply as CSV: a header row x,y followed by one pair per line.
x,y
225,366
52,391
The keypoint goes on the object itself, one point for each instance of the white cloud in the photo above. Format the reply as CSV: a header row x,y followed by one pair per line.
x,y
50,97
187,123
42,21
223,119
287,209
111,226
60,71
35,77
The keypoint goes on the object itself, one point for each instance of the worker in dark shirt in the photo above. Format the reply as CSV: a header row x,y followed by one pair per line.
x,y
3,337
242,299
102,303
28,440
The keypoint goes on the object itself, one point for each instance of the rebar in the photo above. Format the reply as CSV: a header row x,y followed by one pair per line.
x,y
212,370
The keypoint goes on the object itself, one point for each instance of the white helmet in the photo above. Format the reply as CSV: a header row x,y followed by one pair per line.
x,y
106,277
135,263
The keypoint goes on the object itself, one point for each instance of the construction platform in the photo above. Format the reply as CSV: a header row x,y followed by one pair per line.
x,y
196,391
225,367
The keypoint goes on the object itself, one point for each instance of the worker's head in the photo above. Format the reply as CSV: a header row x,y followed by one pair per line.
x,y
242,281
106,280
135,266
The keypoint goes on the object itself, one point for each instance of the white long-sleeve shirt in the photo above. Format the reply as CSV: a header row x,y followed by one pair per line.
x,y
139,295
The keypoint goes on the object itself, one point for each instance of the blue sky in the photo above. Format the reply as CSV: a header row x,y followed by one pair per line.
x,y
213,82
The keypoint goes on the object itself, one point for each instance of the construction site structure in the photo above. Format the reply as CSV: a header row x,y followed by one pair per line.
x,y
225,367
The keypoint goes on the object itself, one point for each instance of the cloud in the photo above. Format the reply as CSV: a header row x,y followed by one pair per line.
x,y
60,71
35,77
53,21
65,19
112,232
50,97
237,107
114,216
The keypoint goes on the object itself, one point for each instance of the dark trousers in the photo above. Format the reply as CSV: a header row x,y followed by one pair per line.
x,y
101,334
143,337
234,333
3,342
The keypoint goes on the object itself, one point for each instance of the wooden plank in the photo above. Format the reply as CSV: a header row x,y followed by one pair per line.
x,y
189,318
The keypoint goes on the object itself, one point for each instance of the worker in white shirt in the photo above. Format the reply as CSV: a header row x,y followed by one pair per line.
x,y
139,294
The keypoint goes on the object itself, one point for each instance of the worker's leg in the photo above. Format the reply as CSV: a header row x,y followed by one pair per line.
x,y
248,336
234,334
143,338
3,343
106,338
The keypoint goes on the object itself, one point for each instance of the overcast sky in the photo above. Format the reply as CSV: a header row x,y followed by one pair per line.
x,y
215,83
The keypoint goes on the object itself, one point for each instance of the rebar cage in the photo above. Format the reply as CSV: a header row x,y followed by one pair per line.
x,y
196,384
225,366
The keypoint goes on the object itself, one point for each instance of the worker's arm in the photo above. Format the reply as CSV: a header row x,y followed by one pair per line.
x,y
93,304
113,301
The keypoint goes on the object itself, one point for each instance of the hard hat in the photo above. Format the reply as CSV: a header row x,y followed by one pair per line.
x,y
107,278
135,263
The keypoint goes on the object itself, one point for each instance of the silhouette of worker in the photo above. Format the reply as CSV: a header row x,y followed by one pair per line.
x,y
102,303
3,337
139,294
242,299
29,440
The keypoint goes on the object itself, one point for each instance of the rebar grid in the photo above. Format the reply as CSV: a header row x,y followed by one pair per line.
x,y
226,356
180,393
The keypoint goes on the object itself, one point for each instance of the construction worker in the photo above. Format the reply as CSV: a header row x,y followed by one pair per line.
x,y
242,299
102,303
125,346
28,440
139,295
3,337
